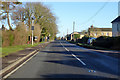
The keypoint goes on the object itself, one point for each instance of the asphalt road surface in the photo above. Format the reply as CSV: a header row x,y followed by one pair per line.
x,y
61,59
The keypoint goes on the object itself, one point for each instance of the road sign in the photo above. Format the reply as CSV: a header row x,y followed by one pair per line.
x,y
32,28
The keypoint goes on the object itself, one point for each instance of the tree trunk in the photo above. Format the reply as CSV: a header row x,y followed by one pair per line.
x,y
9,22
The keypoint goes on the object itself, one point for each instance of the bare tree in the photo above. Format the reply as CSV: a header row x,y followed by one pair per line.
x,y
6,9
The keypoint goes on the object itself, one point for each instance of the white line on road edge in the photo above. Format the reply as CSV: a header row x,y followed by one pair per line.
x,y
6,76
73,55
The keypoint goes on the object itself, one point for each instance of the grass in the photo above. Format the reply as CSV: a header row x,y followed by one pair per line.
x,y
0,51
88,46
12,49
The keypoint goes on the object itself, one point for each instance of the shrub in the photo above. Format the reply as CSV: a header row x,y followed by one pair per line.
x,y
79,40
17,37
76,36
116,43
5,38
0,38
21,34
37,31
101,42
85,39
11,38
107,42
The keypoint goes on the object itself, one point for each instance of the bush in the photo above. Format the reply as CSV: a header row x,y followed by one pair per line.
x,y
85,39
37,31
107,42
5,38
0,38
102,42
79,40
17,37
76,36
116,43
11,38
21,34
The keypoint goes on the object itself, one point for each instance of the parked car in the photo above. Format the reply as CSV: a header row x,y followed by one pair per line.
x,y
90,40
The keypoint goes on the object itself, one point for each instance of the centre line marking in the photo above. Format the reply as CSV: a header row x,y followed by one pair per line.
x,y
74,55
66,49
79,59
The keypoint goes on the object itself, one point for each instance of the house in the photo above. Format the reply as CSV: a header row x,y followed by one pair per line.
x,y
116,27
96,32
81,34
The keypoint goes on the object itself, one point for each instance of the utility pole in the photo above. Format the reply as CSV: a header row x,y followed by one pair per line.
x,y
73,28
32,27
32,32
67,33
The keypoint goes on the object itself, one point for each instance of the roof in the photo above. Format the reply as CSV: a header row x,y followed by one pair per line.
x,y
101,29
116,20
82,33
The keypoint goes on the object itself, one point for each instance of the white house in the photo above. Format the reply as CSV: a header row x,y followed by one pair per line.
x,y
116,24
116,27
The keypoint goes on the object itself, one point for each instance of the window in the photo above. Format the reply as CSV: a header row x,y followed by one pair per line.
x,y
107,34
102,33
118,27
95,34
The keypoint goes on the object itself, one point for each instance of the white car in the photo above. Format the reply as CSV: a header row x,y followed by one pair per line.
x,y
90,40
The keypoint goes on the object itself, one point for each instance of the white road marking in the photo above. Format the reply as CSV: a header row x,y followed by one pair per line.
x,y
6,76
66,49
73,54
79,59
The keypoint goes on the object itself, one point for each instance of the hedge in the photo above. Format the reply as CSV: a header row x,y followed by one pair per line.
x,y
107,42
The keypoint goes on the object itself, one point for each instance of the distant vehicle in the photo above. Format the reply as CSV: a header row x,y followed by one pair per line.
x,y
90,40
35,38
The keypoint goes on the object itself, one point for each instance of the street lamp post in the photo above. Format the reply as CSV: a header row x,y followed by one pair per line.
x,y
32,28
32,37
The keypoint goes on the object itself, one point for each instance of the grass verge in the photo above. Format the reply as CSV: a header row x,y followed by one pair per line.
x,y
88,46
12,49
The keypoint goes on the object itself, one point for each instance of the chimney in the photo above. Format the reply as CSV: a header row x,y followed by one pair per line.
x,y
91,26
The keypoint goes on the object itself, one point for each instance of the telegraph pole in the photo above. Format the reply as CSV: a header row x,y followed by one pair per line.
x,y
73,28
67,33
32,27
32,31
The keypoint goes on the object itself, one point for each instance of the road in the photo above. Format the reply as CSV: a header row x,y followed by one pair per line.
x,y
61,59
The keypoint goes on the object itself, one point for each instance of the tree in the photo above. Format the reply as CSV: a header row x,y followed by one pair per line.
x,y
44,22
76,36
6,9
43,17
19,14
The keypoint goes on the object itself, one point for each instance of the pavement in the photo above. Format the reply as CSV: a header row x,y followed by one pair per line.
x,y
61,59
13,57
